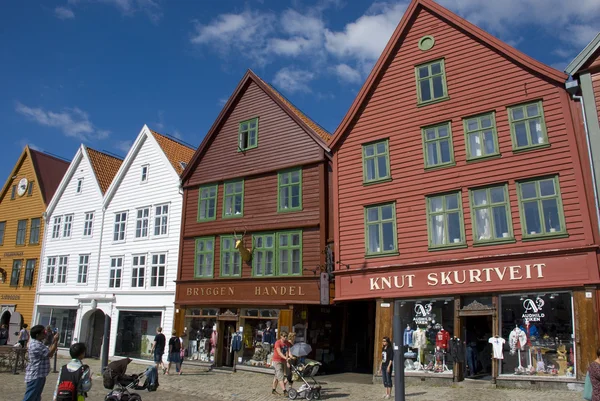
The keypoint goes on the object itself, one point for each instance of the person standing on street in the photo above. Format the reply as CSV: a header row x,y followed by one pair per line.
x,y
3,334
279,360
158,349
174,352
594,371
387,356
39,363
23,336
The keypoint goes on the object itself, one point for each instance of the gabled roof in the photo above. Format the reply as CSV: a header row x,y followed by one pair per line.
x,y
395,41
315,131
176,152
582,58
105,167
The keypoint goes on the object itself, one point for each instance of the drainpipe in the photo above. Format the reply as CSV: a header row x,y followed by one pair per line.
x,y
572,86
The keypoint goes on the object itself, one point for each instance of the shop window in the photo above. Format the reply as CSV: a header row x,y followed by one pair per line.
x,y
259,335
201,324
538,330
61,319
135,333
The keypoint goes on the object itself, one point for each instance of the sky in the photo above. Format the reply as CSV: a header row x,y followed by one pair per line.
x,y
96,71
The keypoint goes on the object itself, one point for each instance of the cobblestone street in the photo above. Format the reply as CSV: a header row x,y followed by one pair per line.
x,y
198,384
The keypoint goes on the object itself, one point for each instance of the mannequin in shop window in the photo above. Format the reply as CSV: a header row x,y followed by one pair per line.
x,y
408,336
268,334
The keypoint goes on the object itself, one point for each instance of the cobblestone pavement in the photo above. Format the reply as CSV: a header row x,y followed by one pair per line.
x,y
198,384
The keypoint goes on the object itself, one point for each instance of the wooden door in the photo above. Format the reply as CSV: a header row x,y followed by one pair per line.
x,y
285,321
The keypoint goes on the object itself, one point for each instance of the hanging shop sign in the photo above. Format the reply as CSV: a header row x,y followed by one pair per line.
x,y
423,315
533,310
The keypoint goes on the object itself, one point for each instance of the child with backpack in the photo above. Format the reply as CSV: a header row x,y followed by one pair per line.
x,y
75,378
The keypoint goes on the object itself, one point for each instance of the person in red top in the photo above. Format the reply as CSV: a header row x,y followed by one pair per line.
x,y
280,358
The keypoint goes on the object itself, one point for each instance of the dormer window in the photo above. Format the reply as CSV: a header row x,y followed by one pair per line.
x,y
79,185
248,134
145,173
183,165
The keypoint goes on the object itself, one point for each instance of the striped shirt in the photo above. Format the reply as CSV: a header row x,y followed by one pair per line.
x,y
39,363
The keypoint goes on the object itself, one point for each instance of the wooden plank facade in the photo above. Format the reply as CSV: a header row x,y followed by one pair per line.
x,y
236,186
417,233
23,201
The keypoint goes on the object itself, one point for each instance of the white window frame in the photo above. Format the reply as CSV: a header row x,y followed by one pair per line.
x,y
161,220
155,267
56,225
136,266
62,269
139,223
83,269
67,224
88,225
118,272
79,188
120,227
50,269
145,172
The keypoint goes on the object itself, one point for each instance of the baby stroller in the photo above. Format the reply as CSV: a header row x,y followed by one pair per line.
x,y
122,385
304,371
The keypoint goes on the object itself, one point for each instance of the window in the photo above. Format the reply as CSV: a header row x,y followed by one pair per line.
x,y
380,227
2,230
116,272
183,165
438,146
289,246
34,231
79,185
231,260
16,273
145,169
13,192
82,271
431,82
120,223
63,262
68,226
290,191
248,134
29,271
233,204
159,265
490,214
21,232
444,213
527,126
30,188
541,208
141,223
263,259
482,140
50,269
88,225
138,271
376,162
56,227
205,253
161,219
207,202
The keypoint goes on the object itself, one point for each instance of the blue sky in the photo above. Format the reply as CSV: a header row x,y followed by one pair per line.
x,y
95,71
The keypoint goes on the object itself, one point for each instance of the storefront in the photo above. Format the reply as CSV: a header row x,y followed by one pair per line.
x,y
62,319
510,320
135,333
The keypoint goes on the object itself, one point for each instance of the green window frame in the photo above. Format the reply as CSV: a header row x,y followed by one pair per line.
x,y
481,136
204,257
527,126
431,82
541,208
233,199
29,270
289,190
376,161
381,234
264,255
231,260
248,134
490,214
445,221
207,202
289,253
437,145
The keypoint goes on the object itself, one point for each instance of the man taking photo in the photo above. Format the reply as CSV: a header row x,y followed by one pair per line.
x,y
39,363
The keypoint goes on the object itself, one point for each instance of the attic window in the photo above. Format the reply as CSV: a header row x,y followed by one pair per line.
x,y
13,193
79,185
145,173
183,165
426,42
248,134
30,188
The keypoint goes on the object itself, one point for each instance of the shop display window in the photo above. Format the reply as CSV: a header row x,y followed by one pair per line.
x,y
61,319
259,335
538,330
201,339
135,333
428,332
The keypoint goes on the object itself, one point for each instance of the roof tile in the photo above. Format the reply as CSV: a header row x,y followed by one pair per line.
x,y
105,167
50,171
176,152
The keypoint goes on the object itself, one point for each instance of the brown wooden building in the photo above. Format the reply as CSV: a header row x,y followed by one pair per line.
x,y
462,188
23,201
261,177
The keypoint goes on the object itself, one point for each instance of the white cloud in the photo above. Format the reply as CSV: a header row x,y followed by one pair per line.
x,y
151,8
293,80
64,13
305,33
73,122
347,73
177,134
123,146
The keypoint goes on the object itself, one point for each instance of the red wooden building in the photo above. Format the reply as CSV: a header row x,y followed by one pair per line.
x,y
259,177
462,188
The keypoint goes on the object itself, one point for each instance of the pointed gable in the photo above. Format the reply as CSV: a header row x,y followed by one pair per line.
x,y
586,58
105,167
176,152
50,171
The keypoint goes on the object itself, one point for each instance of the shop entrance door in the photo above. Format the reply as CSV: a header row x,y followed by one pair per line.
x,y
226,356
476,331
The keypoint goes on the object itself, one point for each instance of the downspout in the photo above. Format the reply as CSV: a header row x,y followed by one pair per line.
x,y
99,250
589,150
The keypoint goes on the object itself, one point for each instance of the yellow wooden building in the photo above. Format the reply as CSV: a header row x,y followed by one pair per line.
x,y
23,201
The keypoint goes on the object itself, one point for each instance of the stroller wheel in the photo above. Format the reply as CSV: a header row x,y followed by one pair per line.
x,y
317,395
135,397
292,393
